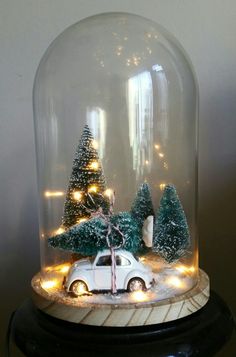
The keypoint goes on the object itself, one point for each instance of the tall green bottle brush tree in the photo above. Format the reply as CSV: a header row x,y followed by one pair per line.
x,y
86,183
142,206
88,212
171,234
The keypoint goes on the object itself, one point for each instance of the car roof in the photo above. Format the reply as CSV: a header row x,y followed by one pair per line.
x,y
117,251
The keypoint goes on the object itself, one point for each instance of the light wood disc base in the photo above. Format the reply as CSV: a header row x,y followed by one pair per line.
x,y
130,314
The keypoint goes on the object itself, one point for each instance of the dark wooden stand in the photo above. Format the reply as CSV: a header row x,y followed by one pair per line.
x,y
200,334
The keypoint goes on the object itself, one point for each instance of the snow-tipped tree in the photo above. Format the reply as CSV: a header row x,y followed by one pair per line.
x,y
142,206
171,234
86,183
90,237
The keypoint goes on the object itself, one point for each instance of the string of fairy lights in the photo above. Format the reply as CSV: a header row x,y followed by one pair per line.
x,y
54,285
109,193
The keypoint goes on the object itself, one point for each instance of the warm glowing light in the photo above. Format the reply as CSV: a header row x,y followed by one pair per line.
x,y
161,154
94,165
142,259
185,269
146,162
162,186
119,50
82,220
53,193
174,281
49,284
65,268
139,296
157,146
62,268
81,289
93,189
109,193
95,144
77,195
60,230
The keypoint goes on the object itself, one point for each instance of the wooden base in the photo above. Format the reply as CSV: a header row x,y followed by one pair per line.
x,y
130,314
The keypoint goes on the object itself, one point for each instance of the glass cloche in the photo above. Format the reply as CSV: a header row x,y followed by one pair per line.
x,y
115,109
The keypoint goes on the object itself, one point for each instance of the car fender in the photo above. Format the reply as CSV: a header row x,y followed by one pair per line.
x,y
80,276
137,274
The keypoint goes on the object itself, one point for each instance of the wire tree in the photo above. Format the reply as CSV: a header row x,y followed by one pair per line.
x,y
171,234
86,183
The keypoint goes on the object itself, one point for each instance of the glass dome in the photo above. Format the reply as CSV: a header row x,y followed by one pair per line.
x,y
115,109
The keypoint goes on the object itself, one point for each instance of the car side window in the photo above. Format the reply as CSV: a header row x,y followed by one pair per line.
x,y
122,261
104,261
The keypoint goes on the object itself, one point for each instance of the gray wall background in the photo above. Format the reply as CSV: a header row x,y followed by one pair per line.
x,y
207,30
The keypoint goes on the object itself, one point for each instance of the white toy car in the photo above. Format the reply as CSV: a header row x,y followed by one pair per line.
x,y
95,273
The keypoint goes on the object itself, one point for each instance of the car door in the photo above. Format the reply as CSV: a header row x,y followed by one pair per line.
x,y
123,268
102,273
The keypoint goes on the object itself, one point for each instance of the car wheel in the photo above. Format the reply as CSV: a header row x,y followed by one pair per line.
x,y
136,284
79,288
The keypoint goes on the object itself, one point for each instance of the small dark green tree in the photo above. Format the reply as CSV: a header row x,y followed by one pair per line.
x,y
171,234
86,184
90,237
142,206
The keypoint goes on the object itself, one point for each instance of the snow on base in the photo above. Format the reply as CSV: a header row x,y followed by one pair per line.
x,y
169,282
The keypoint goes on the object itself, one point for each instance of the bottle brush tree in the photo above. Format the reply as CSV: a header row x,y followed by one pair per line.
x,y
92,236
86,183
142,206
171,234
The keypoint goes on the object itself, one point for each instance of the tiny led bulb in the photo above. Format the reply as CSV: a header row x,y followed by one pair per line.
x,y
82,220
161,154
162,186
139,296
94,165
53,193
157,146
80,289
174,281
95,144
60,231
108,192
65,268
77,195
49,284
185,269
92,189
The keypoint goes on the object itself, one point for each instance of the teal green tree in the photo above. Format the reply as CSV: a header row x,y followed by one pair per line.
x,y
86,184
171,234
90,237
142,206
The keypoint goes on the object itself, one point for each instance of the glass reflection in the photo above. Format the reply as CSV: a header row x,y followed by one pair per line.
x,y
140,106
